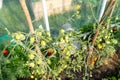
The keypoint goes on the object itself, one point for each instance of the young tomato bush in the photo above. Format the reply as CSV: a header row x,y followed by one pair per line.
x,y
20,58
66,53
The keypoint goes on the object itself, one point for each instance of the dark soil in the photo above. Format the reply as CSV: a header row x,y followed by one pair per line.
x,y
109,69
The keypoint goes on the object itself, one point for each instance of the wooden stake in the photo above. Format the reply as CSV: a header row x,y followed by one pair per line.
x,y
109,7
29,21
113,9
111,3
27,15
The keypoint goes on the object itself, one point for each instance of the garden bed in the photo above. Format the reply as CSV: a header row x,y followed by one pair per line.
x,y
67,55
109,69
60,57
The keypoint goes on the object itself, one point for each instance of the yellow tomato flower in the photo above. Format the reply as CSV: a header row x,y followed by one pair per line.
x,y
116,18
32,76
66,37
22,37
66,40
39,62
62,61
42,71
69,47
99,46
70,34
66,57
77,7
107,42
62,31
61,40
64,66
100,40
64,50
19,36
31,56
106,37
31,65
67,53
111,31
32,39
39,33
43,43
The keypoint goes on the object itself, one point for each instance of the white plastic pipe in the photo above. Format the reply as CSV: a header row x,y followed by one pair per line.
x,y
45,15
102,9
1,2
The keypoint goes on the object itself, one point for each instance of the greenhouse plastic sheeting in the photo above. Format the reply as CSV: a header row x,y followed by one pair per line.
x,y
13,18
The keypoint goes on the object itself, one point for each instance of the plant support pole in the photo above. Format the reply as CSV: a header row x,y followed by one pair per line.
x,y
25,10
1,3
45,15
111,3
27,15
102,9
108,8
113,8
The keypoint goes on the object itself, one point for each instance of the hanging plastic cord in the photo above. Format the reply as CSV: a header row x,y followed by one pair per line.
x,y
6,35
4,28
